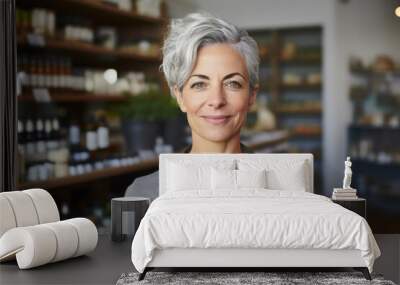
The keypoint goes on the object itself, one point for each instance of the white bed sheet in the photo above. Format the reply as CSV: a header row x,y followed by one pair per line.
x,y
252,218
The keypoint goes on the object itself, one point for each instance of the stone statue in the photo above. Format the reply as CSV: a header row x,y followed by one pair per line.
x,y
347,174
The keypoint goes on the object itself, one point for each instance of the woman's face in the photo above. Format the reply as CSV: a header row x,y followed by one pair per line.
x,y
216,97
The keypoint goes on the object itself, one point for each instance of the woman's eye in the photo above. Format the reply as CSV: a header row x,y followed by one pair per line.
x,y
233,84
198,85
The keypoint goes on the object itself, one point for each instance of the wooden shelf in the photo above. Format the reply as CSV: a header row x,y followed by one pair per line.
x,y
95,175
97,11
80,48
302,60
307,133
301,87
74,97
300,110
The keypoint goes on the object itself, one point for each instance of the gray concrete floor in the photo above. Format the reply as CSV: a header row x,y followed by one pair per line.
x,y
102,266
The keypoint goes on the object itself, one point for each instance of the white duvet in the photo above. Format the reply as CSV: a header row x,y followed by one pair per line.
x,y
251,218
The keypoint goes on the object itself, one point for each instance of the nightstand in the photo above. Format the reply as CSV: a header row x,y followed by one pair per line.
x,y
126,214
358,205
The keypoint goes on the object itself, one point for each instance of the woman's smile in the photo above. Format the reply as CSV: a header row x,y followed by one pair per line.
x,y
217,120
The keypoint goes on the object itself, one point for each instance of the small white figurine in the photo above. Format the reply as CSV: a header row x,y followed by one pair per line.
x,y
347,174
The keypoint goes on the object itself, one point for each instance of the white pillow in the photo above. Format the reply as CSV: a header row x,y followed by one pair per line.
x,y
186,175
281,174
222,179
251,178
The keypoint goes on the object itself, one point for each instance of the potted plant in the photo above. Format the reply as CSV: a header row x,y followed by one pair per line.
x,y
144,117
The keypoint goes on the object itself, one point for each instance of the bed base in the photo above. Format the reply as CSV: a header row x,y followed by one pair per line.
x,y
243,259
363,270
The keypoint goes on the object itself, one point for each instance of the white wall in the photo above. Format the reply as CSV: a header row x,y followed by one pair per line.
x,y
179,8
267,13
361,27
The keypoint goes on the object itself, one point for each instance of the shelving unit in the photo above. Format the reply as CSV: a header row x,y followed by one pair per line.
x,y
374,144
115,46
290,77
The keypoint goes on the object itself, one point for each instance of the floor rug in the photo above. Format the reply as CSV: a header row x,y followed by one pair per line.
x,y
243,278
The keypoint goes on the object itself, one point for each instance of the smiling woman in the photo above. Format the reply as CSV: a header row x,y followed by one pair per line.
x,y
211,68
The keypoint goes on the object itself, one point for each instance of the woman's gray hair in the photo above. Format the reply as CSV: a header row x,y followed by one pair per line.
x,y
187,35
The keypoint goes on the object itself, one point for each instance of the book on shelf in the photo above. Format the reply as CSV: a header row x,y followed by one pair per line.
x,y
341,190
344,194
335,197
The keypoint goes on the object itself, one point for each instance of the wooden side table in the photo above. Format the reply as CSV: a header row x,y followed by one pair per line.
x,y
126,213
357,205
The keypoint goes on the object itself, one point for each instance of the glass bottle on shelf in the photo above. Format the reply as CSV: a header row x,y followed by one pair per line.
x,y
40,139
56,134
48,128
91,134
103,140
29,141
74,133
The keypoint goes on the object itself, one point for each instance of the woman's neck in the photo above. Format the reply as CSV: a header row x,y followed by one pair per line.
x,y
200,145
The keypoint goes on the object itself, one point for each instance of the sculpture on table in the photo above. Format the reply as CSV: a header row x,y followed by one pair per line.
x,y
347,174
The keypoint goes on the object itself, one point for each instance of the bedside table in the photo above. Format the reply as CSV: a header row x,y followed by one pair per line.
x,y
126,214
358,205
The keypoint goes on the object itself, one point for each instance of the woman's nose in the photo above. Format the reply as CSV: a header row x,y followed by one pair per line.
x,y
216,97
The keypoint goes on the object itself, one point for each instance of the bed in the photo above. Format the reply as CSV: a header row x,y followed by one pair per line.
x,y
245,211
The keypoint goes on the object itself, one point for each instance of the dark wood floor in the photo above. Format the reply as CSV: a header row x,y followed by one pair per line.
x,y
103,266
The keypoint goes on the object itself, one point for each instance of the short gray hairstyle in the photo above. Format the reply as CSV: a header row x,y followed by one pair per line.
x,y
187,35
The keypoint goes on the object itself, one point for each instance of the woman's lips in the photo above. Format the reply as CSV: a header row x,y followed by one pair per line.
x,y
217,120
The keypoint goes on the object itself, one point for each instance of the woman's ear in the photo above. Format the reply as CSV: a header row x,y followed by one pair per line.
x,y
253,95
179,99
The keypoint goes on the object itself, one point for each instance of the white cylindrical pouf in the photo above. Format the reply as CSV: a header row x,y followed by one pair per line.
x,y
23,207
87,234
7,218
34,245
45,205
67,239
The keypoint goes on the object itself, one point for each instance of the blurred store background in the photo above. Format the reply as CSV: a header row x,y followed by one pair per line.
x,y
94,110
